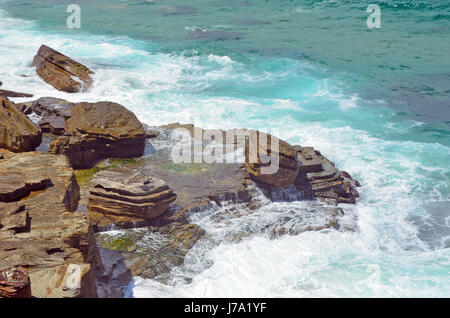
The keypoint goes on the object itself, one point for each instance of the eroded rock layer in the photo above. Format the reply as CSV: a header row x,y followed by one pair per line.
x,y
123,200
318,177
17,131
38,229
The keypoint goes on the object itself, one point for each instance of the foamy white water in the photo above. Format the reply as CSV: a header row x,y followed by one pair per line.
x,y
392,251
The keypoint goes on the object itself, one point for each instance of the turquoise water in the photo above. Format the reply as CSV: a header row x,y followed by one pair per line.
x,y
374,101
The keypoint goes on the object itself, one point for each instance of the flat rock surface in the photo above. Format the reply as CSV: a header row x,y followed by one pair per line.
x,y
121,199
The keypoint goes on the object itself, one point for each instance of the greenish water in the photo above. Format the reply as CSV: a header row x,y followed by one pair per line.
x,y
375,101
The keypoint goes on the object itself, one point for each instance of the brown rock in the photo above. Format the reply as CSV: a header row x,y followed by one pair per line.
x,y
286,158
5,93
25,108
53,111
17,131
117,198
52,123
99,131
326,182
38,230
60,71
52,105
14,283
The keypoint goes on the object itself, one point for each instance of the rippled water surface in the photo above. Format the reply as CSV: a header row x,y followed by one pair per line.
x,y
374,101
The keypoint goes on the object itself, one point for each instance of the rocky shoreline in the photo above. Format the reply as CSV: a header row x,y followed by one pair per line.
x,y
84,169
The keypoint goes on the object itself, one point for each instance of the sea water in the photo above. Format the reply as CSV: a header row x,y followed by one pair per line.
x,y
374,101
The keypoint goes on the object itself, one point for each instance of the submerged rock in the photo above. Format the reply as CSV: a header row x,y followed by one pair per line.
x,y
61,71
38,230
123,200
17,131
156,250
99,131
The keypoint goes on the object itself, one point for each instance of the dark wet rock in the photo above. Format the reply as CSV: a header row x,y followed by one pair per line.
x,y
315,216
113,276
52,123
15,283
150,133
52,105
38,230
99,131
25,108
123,200
177,10
348,176
17,131
60,71
53,111
5,93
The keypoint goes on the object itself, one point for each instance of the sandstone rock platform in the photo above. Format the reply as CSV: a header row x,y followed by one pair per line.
x,y
38,229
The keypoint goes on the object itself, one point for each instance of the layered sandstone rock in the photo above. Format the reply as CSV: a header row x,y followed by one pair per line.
x,y
61,71
54,112
319,178
17,131
99,131
5,93
39,231
123,200
275,153
312,174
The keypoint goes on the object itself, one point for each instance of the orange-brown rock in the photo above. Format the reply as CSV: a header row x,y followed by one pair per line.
x,y
124,200
17,131
99,131
61,71
39,230
284,159
5,93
